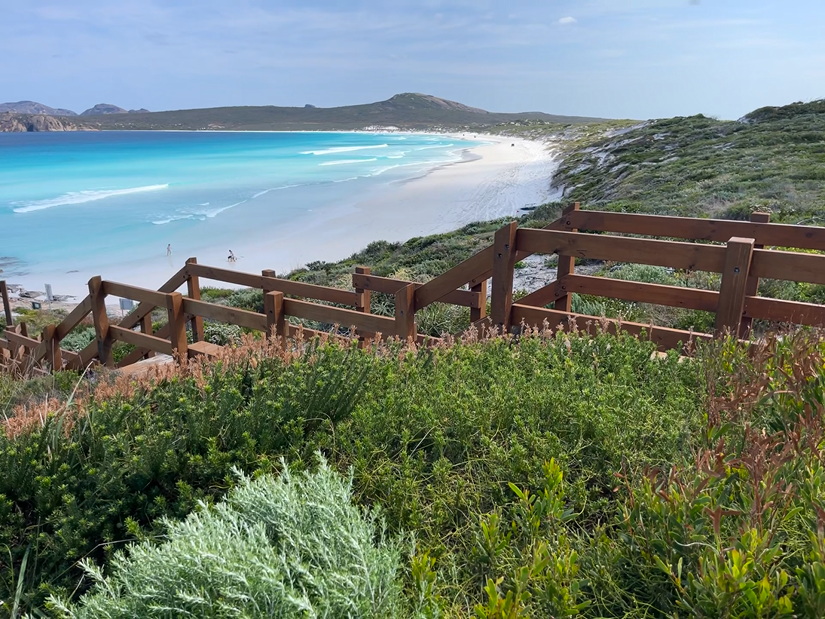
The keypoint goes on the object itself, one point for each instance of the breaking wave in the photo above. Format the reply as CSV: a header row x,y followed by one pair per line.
x,y
79,197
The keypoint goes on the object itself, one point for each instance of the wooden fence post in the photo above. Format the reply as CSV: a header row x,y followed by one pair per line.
x,y
363,302
146,327
566,264
177,325
752,287
193,290
504,261
733,287
4,292
268,273
477,313
19,352
101,321
405,313
274,310
53,352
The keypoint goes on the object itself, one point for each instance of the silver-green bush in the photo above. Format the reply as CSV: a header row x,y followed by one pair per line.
x,y
293,546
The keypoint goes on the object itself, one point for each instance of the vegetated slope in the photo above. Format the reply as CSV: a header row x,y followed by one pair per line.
x,y
433,437
773,160
552,475
407,111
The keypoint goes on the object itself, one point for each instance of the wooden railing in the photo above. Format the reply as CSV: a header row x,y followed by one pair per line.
x,y
734,249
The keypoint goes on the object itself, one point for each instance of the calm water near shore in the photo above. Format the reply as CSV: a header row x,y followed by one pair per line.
x,y
74,202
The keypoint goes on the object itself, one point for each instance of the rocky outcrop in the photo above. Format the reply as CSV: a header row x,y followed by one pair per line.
x,y
416,100
10,122
33,107
103,108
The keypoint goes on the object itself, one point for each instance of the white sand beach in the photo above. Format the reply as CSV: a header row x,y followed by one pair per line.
x,y
494,180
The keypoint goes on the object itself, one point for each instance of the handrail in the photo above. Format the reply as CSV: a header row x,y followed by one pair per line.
x,y
389,285
719,230
312,291
675,254
80,312
471,272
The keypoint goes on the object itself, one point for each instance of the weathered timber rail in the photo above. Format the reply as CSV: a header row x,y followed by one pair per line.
x,y
735,249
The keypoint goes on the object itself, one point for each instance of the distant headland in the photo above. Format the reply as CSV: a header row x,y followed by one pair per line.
x,y
406,111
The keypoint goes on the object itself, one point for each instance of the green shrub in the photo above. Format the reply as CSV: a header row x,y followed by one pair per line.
x,y
439,318
251,299
78,339
221,333
530,564
76,489
439,437
211,294
737,532
645,273
286,547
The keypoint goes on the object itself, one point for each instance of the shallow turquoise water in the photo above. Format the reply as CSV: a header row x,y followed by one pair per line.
x,y
80,200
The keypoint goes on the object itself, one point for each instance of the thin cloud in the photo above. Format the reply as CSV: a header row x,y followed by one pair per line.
x,y
566,21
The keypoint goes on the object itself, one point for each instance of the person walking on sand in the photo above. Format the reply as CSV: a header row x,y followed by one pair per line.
x,y
169,249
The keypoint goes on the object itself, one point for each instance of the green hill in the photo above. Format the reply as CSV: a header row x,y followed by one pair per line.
x,y
405,111
773,160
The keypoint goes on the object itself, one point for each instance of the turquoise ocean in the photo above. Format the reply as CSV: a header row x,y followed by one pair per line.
x,y
75,202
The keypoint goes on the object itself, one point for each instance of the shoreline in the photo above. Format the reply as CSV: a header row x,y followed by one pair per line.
x,y
492,180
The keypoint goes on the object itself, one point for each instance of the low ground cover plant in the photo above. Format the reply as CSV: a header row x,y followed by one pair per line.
x,y
552,474
434,436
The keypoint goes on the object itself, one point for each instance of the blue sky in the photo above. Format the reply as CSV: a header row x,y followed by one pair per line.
x,y
611,58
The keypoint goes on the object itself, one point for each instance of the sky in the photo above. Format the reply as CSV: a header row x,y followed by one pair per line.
x,y
607,58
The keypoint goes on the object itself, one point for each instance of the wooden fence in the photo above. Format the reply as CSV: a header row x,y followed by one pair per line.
x,y
738,250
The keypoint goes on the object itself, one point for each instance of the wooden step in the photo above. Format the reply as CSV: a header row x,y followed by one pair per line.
x,y
145,366
204,348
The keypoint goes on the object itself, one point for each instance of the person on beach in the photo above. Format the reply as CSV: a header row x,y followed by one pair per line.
x,y
232,257
169,249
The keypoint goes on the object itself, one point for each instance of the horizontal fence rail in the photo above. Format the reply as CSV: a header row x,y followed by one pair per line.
x,y
720,230
741,252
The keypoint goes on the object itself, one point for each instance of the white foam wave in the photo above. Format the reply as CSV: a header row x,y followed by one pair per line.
x,y
436,146
196,214
343,161
266,191
79,197
170,219
342,149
